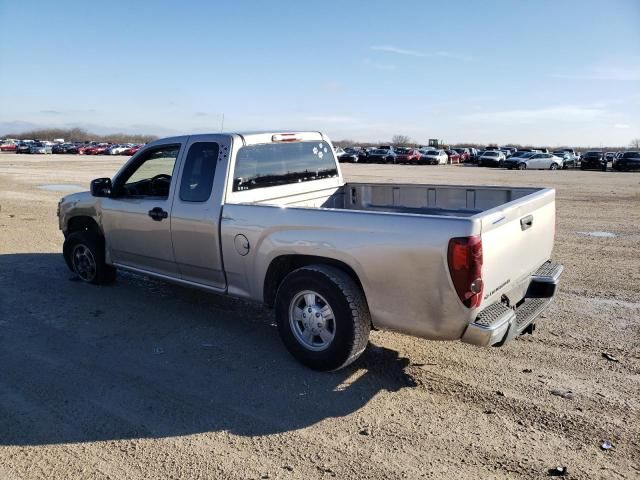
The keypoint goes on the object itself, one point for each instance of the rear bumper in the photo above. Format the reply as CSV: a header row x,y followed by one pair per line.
x,y
498,324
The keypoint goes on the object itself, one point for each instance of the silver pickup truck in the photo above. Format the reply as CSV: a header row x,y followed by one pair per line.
x,y
268,217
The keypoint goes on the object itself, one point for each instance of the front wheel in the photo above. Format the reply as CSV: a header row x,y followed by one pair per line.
x,y
84,253
554,166
522,166
322,317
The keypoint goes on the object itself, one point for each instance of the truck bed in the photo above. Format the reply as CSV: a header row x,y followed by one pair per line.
x,y
423,199
398,234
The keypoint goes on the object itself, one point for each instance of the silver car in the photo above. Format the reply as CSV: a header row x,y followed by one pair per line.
x,y
40,147
537,161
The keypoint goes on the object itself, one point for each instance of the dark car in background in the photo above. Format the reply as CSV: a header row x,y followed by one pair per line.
x,y
568,159
62,148
491,158
628,161
352,155
382,155
593,161
22,147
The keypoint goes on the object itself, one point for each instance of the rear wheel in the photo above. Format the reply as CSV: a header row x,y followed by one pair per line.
x,y
84,253
322,317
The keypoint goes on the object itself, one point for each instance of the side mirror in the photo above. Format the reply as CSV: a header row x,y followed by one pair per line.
x,y
101,187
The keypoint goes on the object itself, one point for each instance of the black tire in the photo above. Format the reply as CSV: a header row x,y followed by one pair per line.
x,y
104,274
522,166
351,323
554,166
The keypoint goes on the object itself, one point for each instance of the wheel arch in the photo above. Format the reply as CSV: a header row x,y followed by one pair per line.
x,y
85,223
282,265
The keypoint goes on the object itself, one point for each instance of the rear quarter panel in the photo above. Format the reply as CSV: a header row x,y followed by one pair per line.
x,y
400,259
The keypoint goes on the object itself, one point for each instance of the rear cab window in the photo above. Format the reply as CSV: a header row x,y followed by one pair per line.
x,y
273,164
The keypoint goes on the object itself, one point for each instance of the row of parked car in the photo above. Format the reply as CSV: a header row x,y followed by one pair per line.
x,y
503,157
405,155
562,159
80,148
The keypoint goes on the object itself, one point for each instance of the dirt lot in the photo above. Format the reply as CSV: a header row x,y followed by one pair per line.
x,y
147,380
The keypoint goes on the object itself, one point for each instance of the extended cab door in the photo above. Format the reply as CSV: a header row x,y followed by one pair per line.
x,y
197,206
135,218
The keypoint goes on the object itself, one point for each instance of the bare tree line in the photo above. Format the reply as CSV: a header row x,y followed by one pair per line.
x,y
82,135
79,135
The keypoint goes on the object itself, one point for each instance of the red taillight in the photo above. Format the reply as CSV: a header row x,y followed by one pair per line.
x,y
286,137
465,266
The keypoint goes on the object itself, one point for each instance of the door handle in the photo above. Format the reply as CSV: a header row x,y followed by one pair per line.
x,y
526,222
158,214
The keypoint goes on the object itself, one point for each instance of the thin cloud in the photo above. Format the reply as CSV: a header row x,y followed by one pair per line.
x,y
379,66
416,53
397,50
454,56
51,112
621,125
627,70
571,113
200,114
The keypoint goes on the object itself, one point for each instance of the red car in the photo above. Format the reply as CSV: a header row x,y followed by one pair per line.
x,y
407,155
132,150
8,147
465,155
454,157
97,149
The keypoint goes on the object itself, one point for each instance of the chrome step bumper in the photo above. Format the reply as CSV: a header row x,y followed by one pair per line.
x,y
497,324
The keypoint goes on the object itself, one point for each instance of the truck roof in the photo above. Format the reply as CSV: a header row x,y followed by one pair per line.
x,y
257,137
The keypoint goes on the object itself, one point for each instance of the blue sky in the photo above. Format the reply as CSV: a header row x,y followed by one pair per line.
x,y
547,72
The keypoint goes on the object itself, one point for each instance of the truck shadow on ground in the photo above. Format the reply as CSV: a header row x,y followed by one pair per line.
x,y
145,359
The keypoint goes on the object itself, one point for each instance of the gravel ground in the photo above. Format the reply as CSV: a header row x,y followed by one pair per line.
x,y
148,380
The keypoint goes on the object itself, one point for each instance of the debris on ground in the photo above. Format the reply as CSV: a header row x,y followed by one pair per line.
x,y
365,431
288,467
489,412
527,370
500,393
606,445
609,357
557,471
562,392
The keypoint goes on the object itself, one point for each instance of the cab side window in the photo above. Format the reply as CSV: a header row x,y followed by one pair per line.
x,y
150,175
198,172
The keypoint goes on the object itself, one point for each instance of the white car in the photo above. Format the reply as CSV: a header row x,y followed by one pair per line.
x,y
491,158
433,157
118,149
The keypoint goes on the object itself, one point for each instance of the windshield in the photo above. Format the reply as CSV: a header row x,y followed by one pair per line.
x,y
631,155
380,152
403,150
593,154
267,165
490,154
